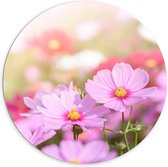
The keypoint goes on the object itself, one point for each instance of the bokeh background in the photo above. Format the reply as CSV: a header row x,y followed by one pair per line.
x,y
71,43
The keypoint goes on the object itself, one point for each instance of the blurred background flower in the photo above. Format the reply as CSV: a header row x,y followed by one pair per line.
x,y
76,152
52,42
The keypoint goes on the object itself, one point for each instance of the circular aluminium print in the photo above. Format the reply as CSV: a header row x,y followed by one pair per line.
x,y
84,82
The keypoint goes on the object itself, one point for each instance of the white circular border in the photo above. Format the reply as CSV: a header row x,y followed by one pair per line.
x,y
14,15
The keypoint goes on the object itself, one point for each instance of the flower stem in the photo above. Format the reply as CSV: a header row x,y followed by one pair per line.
x,y
75,136
126,141
124,131
123,122
130,117
77,130
136,138
112,130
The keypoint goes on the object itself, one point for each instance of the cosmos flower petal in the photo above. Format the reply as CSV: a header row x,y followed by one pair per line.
x,y
98,147
131,100
87,103
116,104
104,78
111,155
69,99
52,103
26,133
47,112
97,92
121,74
145,93
47,134
38,97
52,150
99,111
41,134
71,150
59,89
138,80
93,122
139,95
29,103
55,124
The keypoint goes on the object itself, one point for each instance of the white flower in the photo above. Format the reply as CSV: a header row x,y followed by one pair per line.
x,y
85,60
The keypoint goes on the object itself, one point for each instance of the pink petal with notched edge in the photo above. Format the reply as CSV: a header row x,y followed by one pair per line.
x,y
101,87
116,104
121,74
52,150
138,80
71,149
98,93
104,79
139,95
144,93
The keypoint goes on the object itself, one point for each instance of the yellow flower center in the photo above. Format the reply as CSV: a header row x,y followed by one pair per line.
x,y
151,63
120,92
77,161
53,44
73,115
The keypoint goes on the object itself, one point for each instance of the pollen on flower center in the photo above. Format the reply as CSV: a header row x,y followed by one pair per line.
x,y
77,161
73,115
53,44
151,63
120,92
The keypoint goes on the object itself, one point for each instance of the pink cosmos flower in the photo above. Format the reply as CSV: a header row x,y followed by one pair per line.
x,y
53,42
69,109
119,88
16,105
33,130
108,64
148,60
151,59
76,152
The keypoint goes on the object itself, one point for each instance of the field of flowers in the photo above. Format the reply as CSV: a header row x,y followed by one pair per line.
x,y
84,82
